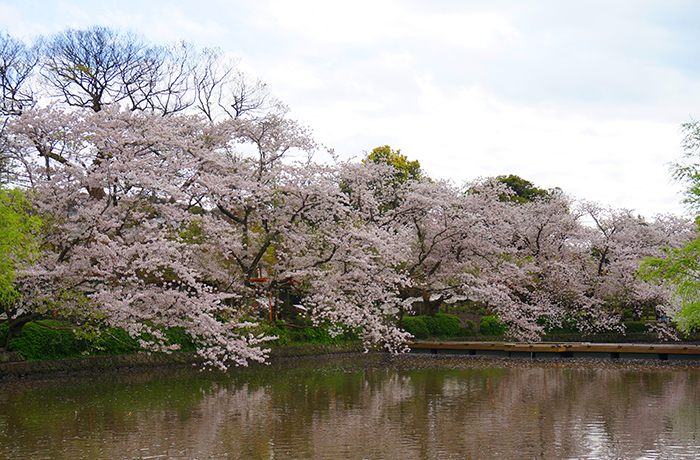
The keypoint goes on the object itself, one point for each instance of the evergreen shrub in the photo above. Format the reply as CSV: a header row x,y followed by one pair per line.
x,y
321,334
317,335
442,325
113,342
37,342
490,326
282,334
182,338
415,325
635,327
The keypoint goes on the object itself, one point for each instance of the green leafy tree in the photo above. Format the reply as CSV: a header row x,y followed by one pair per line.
x,y
688,169
679,269
405,169
18,230
524,191
5,167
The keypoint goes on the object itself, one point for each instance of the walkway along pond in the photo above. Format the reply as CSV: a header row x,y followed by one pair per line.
x,y
662,351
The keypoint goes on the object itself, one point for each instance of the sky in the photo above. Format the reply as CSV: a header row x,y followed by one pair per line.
x,y
588,96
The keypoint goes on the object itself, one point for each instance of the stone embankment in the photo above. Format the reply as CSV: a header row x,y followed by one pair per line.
x,y
10,368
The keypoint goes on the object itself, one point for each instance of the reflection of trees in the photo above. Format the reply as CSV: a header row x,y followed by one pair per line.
x,y
418,408
554,413
181,414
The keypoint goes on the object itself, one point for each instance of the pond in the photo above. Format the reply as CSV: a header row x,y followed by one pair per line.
x,y
371,406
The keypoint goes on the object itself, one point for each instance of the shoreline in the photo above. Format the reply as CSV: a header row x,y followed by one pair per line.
x,y
140,361
144,362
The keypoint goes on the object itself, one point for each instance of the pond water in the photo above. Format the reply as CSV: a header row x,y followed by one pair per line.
x,y
412,407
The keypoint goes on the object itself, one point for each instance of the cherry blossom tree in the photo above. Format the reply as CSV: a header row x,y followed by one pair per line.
x,y
292,222
551,272
152,223
170,197
619,243
126,195
111,188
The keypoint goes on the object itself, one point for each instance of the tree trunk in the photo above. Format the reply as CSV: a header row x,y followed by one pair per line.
x,y
15,325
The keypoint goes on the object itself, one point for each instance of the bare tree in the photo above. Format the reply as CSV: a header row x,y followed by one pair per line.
x,y
222,90
17,62
98,66
246,95
84,65
210,74
161,79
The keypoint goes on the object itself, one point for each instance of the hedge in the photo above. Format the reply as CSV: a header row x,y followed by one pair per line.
x,y
37,342
441,325
415,325
490,326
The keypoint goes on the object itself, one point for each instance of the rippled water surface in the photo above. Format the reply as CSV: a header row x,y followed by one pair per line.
x,y
370,407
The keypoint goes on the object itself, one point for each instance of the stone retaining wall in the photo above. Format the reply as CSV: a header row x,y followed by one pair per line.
x,y
143,360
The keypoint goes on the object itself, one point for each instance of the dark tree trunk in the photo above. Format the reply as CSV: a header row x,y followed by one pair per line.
x,y
15,325
426,306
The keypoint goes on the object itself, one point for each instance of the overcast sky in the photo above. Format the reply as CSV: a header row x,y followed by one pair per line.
x,y
587,95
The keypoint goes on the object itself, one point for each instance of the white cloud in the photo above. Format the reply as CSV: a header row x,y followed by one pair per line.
x,y
556,92
297,75
473,134
175,24
13,22
466,30
367,21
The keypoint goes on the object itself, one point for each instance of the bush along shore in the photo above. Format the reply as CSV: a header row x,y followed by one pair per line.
x,y
50,346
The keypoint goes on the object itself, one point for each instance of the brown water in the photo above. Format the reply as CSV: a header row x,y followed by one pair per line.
x,y
407,408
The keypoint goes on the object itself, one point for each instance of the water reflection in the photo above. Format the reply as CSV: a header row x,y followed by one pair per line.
x,y
409,408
